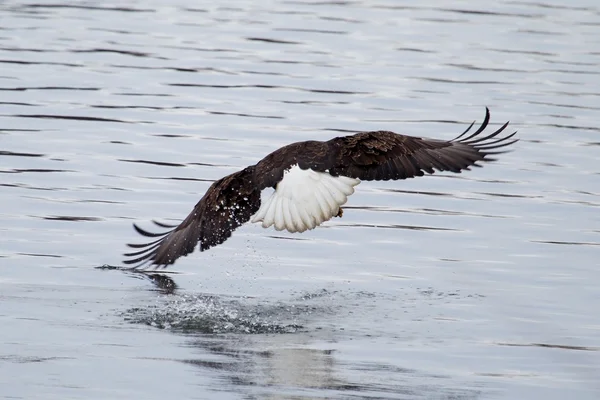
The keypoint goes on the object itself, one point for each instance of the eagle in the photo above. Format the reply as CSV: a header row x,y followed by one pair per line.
x,y
312,181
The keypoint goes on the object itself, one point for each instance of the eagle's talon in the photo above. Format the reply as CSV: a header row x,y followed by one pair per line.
x,y
340,213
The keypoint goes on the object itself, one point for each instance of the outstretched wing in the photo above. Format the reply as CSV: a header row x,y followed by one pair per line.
x,y
226,205
386,155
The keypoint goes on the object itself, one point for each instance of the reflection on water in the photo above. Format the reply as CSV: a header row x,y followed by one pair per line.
x,y
298,372
259,347
480,285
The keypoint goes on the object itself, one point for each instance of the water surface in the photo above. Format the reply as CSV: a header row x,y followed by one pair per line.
x,y
474,286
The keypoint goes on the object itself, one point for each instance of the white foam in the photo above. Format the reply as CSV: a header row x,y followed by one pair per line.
x,y
304,199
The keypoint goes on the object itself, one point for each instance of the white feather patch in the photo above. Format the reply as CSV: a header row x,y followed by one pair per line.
x,y
304,199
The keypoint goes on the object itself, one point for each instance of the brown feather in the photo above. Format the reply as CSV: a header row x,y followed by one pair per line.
x,y
227,204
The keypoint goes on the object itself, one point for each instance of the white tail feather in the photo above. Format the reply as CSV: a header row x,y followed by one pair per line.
x,y
304,199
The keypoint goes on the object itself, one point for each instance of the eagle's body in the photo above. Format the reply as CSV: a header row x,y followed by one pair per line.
x,y
304,199
312,180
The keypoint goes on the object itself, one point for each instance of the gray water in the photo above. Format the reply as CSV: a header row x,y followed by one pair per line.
x,y
482,285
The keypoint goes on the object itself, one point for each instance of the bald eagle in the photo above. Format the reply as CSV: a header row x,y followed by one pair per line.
x,y
312,180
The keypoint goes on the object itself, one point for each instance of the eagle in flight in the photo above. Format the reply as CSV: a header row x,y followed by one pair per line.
x,y
311,181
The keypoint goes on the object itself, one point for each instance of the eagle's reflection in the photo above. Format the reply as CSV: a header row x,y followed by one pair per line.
x,y
163,283
283,370
299,367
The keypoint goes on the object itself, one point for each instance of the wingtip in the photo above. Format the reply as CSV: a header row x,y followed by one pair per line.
x,y
163,225
144,257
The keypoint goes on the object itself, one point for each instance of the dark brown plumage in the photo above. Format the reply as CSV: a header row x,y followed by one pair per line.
x,y
382,155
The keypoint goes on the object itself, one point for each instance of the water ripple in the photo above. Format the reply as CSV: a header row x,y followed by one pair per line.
x,y
70,117
474,275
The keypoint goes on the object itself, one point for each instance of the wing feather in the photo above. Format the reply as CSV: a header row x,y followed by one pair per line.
x,y
227,204
384,155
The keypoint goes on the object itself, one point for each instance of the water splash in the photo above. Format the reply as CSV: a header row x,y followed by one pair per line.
x,y
210,314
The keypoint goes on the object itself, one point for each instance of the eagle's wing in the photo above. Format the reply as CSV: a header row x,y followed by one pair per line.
x,y
227,204
323,174
386,155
